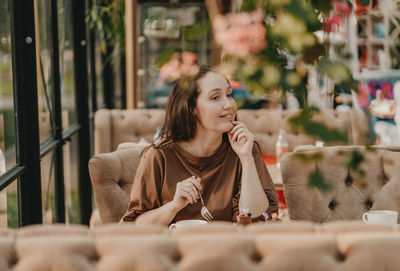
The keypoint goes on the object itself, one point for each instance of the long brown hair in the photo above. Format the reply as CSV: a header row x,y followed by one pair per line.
x,y
180,120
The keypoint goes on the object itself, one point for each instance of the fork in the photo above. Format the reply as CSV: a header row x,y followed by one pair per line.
x,y
204,211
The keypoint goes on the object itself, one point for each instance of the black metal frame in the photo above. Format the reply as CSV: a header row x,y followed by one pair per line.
x,y
55,73
29,151
82,102
26,107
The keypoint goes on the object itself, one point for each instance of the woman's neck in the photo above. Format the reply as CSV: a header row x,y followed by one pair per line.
x,y
202,145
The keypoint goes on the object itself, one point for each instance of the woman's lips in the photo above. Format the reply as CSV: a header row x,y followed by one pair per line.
x,y
227,116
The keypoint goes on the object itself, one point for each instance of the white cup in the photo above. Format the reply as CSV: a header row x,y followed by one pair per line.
x,y
383,217
187,223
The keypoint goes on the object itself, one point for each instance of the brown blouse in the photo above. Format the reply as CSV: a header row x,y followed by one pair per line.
x,y
161,168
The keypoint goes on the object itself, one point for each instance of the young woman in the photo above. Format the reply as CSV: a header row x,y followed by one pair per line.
x,y
202,149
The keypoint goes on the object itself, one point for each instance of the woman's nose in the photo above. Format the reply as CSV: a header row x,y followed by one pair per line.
x,y
229,103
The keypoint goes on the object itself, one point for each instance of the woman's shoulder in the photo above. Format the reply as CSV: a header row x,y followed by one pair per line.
x,y
158,150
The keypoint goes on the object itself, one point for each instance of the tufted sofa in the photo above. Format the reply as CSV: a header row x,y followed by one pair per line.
x,y
113,127
268,246
351,194
112,175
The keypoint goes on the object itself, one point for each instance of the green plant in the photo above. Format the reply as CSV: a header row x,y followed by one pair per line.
x,y
12,210
108,18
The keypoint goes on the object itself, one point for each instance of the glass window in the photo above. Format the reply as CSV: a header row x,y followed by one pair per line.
x,y
71,177
66,60
117,75
43,62
7,121
180,34
99,67
9,206
48,193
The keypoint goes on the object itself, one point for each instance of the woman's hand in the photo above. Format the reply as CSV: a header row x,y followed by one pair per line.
x,y
186,192
241,139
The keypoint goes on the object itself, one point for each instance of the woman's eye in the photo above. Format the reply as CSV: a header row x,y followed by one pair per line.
x,y
216,98
230,95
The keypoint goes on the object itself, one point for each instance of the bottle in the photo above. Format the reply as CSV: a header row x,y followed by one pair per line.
x,y
282,147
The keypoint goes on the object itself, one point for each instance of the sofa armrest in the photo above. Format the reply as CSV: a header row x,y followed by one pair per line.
x,y
112,175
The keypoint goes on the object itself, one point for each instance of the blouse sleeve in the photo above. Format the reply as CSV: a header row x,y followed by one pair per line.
x,y
267,184
146,187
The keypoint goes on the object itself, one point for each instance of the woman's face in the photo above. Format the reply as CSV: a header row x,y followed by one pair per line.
x,y
215,109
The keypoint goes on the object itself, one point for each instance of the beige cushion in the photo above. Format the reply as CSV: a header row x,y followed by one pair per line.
x,y
351,194
56,247
7,252
332,246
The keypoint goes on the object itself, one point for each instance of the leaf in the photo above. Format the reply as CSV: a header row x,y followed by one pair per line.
x,y
309,157
363,2
303,11
196,32
354,162
322,5
320,131
316,179
316,129
164,57
335,70
249,5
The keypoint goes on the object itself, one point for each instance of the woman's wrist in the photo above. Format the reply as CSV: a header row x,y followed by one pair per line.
x,y
175,207
247,158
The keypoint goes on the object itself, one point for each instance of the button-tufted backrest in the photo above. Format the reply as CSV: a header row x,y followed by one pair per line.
x,y
267,246
113,127
265,125
351,193
112,176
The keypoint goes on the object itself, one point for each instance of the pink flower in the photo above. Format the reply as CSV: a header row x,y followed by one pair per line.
x,y
189,58
343,8
256,37
257,16
174,68
220,23
330,22
241,33
189,69
170,71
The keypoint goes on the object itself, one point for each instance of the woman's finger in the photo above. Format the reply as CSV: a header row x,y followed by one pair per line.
x,y
186,195
196,183
182,190
192,187
242,136
237,133
240,125
192,194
